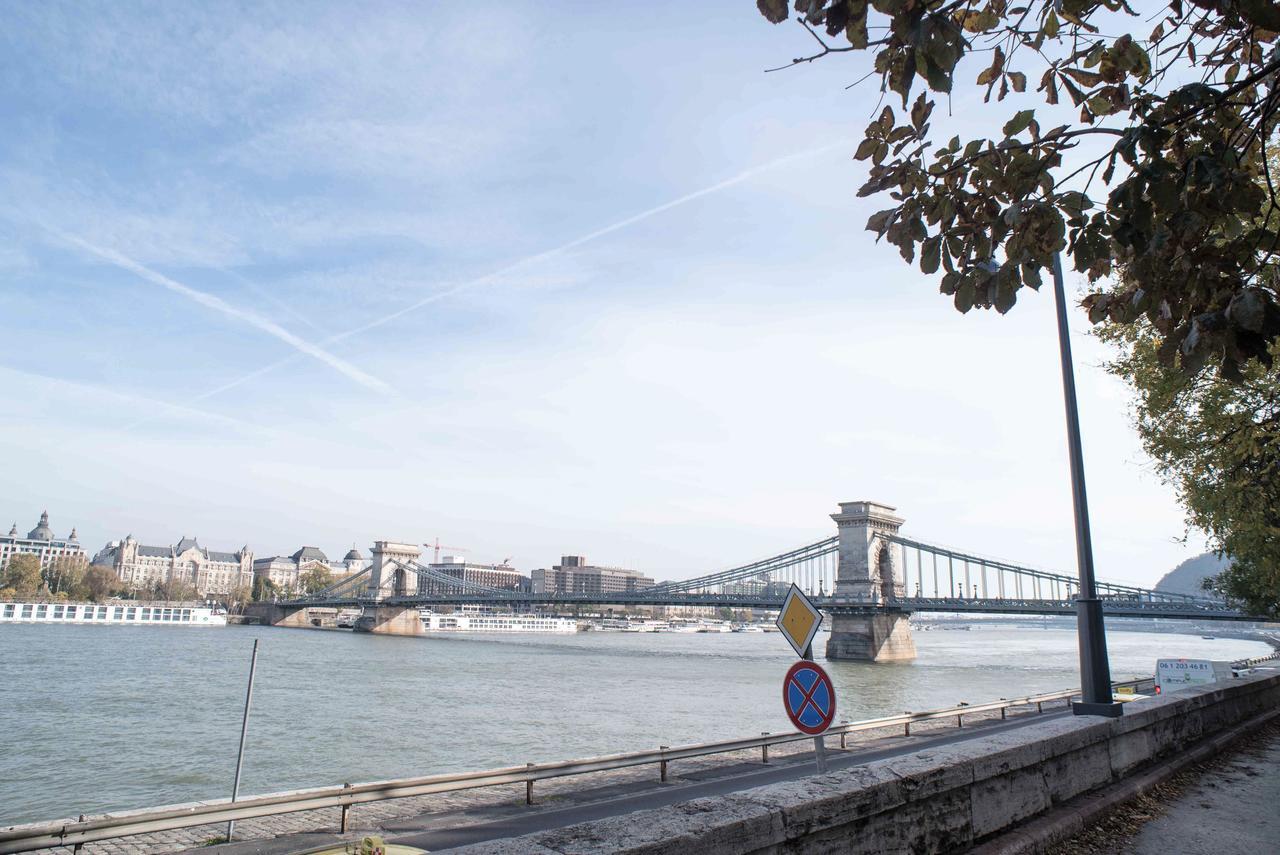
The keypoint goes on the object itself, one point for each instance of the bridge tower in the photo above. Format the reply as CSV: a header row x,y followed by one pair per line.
x,y
865,625
388,580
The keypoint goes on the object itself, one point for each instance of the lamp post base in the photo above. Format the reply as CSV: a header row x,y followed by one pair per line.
x,y
1111,710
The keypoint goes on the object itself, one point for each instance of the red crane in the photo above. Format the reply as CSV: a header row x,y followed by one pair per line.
x,y
437,547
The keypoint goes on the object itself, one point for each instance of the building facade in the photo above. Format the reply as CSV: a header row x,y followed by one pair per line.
x,y
41,542
211,572
285,572
501,576
573,575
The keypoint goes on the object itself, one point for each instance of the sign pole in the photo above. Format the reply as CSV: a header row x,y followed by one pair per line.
x,y
244,730
820,741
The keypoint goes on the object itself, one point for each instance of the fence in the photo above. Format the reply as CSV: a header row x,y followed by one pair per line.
x,y
124,824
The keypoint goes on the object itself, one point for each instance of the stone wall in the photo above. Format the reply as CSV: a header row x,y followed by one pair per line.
x,y
936,800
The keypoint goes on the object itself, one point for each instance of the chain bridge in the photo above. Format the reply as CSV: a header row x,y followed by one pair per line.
x,y
868,576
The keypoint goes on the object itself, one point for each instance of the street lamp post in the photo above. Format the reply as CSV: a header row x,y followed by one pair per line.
x,y
1095,670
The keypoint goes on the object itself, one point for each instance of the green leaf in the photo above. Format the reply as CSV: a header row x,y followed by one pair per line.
x,y
1051,25
1019,122
930,255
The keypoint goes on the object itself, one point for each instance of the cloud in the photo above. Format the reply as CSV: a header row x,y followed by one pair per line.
x,y
217,304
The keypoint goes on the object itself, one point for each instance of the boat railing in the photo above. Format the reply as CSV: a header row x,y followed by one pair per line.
x,y
26,838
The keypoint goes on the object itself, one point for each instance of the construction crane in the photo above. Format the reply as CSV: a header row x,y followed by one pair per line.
x,y
437,546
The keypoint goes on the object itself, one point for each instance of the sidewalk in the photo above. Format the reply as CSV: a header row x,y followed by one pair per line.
x,y
1223,807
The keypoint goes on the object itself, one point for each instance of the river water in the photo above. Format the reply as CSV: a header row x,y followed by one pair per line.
x,y
96,718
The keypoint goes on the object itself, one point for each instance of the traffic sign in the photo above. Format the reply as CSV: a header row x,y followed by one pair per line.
x,y
809,698
799,620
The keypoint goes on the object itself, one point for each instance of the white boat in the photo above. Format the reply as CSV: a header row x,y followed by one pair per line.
x,y
115,614
458,622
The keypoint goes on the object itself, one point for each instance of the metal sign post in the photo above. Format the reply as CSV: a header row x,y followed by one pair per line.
x,y
820,741
807,693
244,730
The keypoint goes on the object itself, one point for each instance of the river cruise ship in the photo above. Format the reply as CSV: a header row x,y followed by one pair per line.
x,y
110,615
458,622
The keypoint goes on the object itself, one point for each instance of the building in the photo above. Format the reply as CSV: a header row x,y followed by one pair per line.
x,y
501,576
573,575
211,572
353,562
285,571
40,541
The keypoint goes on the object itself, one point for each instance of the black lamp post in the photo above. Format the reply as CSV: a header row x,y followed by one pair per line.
x,y
1095,670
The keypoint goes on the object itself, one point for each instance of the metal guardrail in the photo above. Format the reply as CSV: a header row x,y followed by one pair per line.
x,y
27,838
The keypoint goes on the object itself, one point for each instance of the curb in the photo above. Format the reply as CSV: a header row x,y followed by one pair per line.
x,y
1071,817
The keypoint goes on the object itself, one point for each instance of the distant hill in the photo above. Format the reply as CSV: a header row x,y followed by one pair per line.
x,y
1186,577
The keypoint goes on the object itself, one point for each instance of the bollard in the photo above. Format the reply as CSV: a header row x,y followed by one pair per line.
x,y
843,734
1039,706
345,809
764,750
906,728
1003,710
662,766
959,721
528,786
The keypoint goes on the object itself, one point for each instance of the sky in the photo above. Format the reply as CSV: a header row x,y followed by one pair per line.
x,y
532,279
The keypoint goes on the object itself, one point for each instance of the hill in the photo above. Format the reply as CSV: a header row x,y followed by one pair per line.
x,y
1186,577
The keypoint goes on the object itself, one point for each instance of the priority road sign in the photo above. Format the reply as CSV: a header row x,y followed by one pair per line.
x,y
809,698
799,620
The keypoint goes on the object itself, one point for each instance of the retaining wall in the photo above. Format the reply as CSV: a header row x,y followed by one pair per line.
x,y
936,800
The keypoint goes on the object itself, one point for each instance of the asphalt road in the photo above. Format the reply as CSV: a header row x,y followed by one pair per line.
x,y
740,778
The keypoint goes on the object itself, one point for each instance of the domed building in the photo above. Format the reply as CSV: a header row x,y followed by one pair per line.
x,y
209,571
40,541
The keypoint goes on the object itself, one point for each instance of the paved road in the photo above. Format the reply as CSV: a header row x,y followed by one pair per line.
x,y
736,779
1230,809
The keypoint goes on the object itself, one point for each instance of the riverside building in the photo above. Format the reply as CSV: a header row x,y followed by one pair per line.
x,y
285,571
211,572
501,576
573,575
41,542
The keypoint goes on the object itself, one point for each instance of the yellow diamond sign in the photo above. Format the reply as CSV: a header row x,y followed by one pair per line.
x,y
799,620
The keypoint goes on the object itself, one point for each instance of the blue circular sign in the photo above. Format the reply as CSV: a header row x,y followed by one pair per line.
x,y
809,698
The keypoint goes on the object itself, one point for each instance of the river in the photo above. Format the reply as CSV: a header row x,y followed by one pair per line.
x,y
96,718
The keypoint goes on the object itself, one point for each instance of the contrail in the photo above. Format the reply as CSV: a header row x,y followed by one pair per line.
x,y
217,304
488,278
587,238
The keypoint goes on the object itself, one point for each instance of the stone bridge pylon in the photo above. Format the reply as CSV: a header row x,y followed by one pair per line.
x,y
388,579
865,626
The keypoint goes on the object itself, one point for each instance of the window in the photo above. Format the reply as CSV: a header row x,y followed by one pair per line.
x,y
42,610
26,611
146,614
117,613
57,612
71,612
102,612
8,610
132,613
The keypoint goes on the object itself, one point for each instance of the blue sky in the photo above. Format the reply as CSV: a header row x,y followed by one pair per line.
x,y
532,278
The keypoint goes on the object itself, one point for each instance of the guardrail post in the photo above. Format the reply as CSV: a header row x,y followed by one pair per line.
x,y
662,766
345,809
528,786
1003,710
1039,706
959,721
906,728
843,734
764,749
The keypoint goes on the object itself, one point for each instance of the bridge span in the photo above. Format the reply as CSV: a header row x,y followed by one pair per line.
x,y
868,577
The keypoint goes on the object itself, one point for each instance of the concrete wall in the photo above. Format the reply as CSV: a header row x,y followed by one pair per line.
x,y
936,800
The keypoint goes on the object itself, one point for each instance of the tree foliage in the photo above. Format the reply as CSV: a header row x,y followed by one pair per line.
x,y
315,578
1170,141
22,574
1218,444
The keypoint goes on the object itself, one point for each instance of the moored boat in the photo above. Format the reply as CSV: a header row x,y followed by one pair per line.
x,y
111,614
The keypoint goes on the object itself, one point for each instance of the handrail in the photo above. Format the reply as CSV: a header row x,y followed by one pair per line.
x,y
25,838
